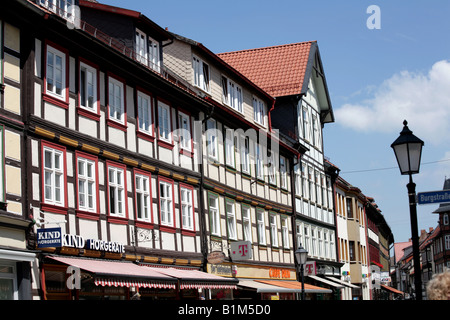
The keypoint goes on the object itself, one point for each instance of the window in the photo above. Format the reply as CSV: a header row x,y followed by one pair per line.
x,y
144,104
298,180
64,8
88,87
245,154
447,242
143,196
259,111
305,123
259,162
298,229
166,203
214,214
229,148
54,174
246,223
211,138
283,172
231,220
184,123
273,230
352,252
349,208
2,155
153,54
165,129
445,219
187,208
272,169
87,183
285,232
141,47
201,74
116,101
117,190
147,50
56,74
307,238
261,227
232,94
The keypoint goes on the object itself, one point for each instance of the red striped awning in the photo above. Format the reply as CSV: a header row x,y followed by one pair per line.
x,y
134,283
196,279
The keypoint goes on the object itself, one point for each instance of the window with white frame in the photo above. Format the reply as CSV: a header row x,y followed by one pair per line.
x,y
88,87
116,101
153,54
273,229
283,172
214,214
313,241
165,133
299,233
63,8
272,168
141,48
231,219
285,231
56,73
187,208
211,138
184,124
144,112
326,244
298,180
259,161
201,73
54,175
143,197
261,227
117,191
2,150
259,111
245,154
87,184
246,223
229,148
232,94
305,124
307,238
166,203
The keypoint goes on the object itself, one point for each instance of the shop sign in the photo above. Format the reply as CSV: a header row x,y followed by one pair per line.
x,y
221,270
279,273
310,268
50,237
216,257
241,250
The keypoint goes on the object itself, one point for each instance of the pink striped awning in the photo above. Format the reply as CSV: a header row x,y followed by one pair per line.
x,y
121,274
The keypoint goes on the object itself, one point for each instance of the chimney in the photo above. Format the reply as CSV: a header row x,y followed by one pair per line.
x,y
430,229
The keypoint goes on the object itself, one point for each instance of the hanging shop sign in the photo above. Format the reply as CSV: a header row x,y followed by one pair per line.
x,y
216,257
50,237
241,250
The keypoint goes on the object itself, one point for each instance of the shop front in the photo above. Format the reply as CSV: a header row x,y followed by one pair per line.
x,y
264,282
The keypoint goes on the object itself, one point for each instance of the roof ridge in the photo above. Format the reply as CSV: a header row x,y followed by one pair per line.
x,y
269,47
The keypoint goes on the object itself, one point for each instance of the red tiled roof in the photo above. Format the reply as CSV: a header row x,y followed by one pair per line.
x,y
278,70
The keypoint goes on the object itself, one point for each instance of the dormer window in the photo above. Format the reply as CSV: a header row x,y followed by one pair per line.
x,y
147,50
232,94
201,73
63,8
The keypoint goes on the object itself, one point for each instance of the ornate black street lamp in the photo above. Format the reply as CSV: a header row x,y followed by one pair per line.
x,y
301,255
408,151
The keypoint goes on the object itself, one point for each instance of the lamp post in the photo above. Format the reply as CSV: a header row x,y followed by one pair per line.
x,y
301,255
408,151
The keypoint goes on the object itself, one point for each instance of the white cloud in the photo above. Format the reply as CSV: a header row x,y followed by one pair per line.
x,y
422,99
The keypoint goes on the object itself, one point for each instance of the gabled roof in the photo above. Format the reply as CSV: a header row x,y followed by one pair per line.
x,y
284,70
279,70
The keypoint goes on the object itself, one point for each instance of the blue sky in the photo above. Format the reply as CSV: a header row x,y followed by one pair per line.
x,y
376,79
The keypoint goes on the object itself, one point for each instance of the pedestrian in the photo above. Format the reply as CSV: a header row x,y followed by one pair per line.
x,y
439,286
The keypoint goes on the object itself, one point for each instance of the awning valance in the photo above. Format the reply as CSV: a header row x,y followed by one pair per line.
x,y
348,284
393,290
120,274
195,279
330,283
281,286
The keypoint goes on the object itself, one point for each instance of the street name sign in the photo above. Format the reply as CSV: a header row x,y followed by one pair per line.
x,y
431,197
